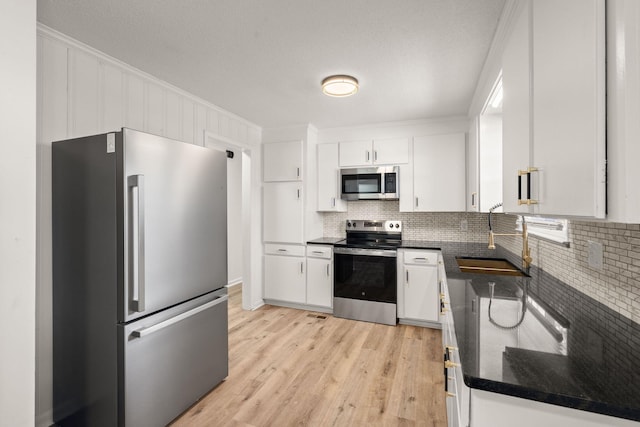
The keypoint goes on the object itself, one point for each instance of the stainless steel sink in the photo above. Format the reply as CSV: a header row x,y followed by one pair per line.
x,y
499,266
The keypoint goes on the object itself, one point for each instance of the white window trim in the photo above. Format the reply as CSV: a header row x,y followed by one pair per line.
x,y
553,229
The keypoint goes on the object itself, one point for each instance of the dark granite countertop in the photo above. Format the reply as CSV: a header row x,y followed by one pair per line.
x,y
563,348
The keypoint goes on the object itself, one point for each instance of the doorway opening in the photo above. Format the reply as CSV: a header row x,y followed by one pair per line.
x,y
238,213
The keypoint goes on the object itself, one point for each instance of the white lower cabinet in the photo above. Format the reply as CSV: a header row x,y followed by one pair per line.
x,y
284,273
500,410
298,276
457,392
418,301
320,276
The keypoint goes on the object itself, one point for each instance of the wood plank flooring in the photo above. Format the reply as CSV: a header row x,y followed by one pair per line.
x,y
292,367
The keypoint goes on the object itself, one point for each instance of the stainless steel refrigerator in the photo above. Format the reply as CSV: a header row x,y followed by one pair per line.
x,y
139,269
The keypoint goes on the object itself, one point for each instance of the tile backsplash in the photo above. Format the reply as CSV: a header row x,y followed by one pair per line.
x,y
445,226
617,284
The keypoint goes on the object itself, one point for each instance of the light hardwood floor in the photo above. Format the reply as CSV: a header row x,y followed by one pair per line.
x,y
293,367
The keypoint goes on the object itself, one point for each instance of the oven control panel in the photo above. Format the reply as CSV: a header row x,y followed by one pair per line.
x,y
387,226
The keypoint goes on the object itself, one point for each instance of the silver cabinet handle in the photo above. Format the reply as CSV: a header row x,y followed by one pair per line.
x,y
328,272
298,172
416,202
282,250
367,155
318,252
136,241
302,267
298,194
375,155
407,277
420,259
164,324
333,202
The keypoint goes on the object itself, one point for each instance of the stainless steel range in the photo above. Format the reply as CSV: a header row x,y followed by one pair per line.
x,y
364,286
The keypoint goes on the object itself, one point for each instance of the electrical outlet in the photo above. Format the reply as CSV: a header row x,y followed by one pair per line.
x,y
594,254
464,225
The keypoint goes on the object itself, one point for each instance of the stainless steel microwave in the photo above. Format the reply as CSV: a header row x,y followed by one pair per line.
x,y
374,183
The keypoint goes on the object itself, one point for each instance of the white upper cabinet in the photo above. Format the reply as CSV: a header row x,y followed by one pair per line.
x,y
473,183
282,161
554,154
392,151
356,153
515,112
283,212
439,175
328,181
623,110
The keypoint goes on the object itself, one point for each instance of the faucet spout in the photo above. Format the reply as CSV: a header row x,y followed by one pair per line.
x,y
526,252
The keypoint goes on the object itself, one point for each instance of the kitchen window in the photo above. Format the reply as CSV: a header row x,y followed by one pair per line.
x,y
552,229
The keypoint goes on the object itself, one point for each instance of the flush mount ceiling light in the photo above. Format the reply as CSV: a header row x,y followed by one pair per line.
x,y
340,86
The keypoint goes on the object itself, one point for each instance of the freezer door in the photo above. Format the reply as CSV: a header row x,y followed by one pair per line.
x,y
171,359
175,222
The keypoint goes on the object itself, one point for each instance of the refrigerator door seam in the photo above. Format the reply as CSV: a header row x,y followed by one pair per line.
x,y
166,323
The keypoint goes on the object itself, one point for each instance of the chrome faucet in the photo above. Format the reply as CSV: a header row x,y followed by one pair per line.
x,y
526,252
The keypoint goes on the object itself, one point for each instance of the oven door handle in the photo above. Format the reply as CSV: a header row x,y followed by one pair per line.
x,y
390,253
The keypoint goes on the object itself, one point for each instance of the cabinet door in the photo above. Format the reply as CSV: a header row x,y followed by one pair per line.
x,y
421,293
391,151
319,282
328,182
356,153
439,173
283,212
453,418
569,107
472,166
284,278
515,111
283,161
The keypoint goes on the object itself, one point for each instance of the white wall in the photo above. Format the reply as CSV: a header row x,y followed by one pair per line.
x,y
17,211
395,129
490,166
82,91
234,218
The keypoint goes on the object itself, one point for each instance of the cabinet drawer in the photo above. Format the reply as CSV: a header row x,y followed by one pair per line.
x,y
276,249
421,257
317,251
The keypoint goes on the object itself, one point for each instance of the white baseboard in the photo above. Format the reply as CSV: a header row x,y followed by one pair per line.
x,y
233,282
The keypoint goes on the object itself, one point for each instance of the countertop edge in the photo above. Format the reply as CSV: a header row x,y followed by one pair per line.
x,y
557,399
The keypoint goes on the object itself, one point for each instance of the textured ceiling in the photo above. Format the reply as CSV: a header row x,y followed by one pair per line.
x,y
264,60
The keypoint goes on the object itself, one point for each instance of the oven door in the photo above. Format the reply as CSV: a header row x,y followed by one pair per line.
x,y
365,274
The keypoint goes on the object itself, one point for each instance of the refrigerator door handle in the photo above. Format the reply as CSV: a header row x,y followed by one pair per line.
x,y
166,323
136,248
